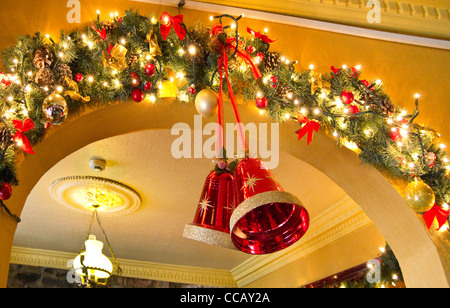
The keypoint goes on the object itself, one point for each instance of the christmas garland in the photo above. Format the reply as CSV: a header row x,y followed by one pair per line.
x,y
133,56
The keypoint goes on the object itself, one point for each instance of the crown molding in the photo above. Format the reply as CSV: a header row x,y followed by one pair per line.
x,y
338,221
401,22
130,268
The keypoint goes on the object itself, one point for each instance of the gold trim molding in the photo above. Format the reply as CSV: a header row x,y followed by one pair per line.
x,y
338,221
427,18
417,22
130,268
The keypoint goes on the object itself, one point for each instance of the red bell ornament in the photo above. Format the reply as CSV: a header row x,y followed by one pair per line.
x,y
267,219
211,221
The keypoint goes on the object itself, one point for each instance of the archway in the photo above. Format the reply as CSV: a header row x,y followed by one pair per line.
x,y
415,250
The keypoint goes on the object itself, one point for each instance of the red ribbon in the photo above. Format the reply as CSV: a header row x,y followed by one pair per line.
x,y
20,138
258,34
308,128
241,53
168,21
102,33
436,212
223,65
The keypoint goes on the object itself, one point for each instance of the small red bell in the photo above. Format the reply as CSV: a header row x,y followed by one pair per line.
x,y
211,221
267,219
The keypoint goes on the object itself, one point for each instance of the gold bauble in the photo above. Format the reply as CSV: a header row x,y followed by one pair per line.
x,y
55,109
419,196
206,102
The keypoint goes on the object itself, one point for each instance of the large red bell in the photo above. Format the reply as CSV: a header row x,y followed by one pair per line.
x,y
267,219
211,221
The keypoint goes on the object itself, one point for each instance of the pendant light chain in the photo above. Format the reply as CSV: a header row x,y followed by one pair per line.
x,y
96,216
116,263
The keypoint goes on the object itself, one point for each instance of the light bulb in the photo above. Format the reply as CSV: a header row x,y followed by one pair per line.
x,y
192,50
97,263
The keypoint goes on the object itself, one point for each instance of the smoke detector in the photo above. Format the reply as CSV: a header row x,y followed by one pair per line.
x,y
97,164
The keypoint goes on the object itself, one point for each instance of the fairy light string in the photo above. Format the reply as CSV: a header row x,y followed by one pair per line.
x,y
82,51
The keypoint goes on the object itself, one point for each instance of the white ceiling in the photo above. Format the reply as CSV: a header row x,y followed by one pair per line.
x,y
170,190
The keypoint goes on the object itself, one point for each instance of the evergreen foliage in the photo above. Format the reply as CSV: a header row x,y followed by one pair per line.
x,y
83,51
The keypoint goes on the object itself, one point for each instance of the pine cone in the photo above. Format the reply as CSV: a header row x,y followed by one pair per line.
x,y
385,104
132,59
45,77
5,136
63,71
109,26
199,38
387,107
271,61
43,58
284,91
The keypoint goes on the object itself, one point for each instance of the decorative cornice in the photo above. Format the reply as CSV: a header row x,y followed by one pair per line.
x,y
422,18
337,222
130,268
401,22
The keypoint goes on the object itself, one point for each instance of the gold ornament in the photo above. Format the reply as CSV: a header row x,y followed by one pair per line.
x,y
419,196
74,92
55,109
206,102
116,58
318,83
153,47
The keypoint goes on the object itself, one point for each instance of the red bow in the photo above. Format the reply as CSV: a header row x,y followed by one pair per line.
x,y
5,79
101,33
309,127
436,212
20,138
258,34
335,70
109,49
230,43
355,73
241,53
168,21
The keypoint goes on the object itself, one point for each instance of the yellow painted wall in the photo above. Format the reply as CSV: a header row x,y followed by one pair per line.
x,y
361,246
404,69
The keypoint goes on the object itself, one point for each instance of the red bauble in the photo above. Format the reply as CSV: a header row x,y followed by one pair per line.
x,y
261,103
5,191
395,135
250,49
148,86
79,77
273,81
135,79
347,97
150,69
353,109
137,95
192,90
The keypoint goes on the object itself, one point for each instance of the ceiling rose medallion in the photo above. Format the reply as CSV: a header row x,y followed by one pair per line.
x,y
85,193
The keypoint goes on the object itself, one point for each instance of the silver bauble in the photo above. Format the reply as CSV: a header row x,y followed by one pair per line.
x,y
55,109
